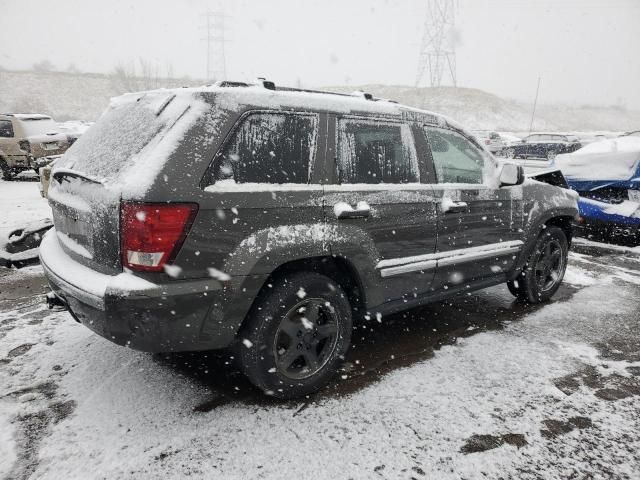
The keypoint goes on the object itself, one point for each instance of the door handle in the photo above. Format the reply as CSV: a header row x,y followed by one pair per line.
x,y
343,210
455,207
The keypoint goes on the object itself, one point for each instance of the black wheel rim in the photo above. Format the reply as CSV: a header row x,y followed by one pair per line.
x,y
306,338
550,266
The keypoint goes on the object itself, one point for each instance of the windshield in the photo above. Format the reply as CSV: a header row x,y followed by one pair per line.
x,y
38,126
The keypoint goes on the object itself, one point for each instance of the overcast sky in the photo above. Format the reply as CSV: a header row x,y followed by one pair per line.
x,y
586,52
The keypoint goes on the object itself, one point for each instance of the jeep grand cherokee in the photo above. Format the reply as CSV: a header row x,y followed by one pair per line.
x,y
268,220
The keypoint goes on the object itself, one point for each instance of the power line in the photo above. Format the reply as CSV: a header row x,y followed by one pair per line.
x,y
214,25
437,50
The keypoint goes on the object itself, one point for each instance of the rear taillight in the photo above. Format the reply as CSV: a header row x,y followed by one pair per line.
x,y
487,142
25,146
152,233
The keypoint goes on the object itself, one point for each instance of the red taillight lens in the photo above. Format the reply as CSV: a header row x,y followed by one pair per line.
x,y
152,233
487,142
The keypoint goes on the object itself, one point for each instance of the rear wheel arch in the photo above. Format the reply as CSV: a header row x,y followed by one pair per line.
x,y
337,268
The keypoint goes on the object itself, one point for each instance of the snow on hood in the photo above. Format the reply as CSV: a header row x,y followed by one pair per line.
x,y
615,159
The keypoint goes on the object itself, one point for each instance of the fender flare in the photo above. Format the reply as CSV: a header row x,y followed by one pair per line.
x,y
533,231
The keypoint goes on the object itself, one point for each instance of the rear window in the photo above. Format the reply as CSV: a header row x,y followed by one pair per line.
x,y
6,129
117,140
38,126
269,148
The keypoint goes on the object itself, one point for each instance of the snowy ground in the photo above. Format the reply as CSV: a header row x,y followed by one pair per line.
x,y
20,202
477,387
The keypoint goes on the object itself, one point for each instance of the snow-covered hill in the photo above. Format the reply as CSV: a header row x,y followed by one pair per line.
x,y
72,96
477,109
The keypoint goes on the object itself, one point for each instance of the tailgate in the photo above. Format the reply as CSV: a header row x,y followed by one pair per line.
x,y
86,219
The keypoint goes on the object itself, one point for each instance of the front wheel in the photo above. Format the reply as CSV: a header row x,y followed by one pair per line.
x,y
296,335
544,271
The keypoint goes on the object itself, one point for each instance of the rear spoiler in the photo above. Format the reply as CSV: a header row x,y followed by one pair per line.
x,y
552,176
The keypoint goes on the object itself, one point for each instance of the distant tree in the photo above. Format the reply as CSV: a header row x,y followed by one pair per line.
x,y
131,77
73,69
43,66
29,104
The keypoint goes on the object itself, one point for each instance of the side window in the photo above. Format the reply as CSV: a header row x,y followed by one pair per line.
x,y
6,129
372,151
455,158
269,148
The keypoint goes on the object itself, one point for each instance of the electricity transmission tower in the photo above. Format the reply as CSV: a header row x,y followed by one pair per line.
x,y
437,50
214,26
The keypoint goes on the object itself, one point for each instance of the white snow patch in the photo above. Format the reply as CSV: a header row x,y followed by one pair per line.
x,y
173,271
218,274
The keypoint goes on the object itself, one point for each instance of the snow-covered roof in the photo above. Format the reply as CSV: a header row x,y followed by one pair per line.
x,y
27,116
235,94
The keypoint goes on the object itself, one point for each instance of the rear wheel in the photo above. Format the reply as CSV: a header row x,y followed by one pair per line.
x,y
545,268
6,172
510,153
551,155
296,336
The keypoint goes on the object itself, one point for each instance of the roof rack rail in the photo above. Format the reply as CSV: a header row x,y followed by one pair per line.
x,y
269,85
228,83
363,94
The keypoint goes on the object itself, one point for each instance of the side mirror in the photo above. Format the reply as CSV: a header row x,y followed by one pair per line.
x,y
511,174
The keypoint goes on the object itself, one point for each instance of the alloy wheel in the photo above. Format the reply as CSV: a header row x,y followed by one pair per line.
x,y
550,266
306,338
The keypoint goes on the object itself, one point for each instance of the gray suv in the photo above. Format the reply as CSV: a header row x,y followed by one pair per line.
x,y
268,220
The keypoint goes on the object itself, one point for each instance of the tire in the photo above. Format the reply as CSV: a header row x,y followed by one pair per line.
x,y
285,355
544,271
7,174
551,155
510,153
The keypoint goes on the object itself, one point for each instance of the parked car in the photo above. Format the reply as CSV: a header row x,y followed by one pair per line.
x,y
492,141
634,133
25,137
543,145
268,220
606,174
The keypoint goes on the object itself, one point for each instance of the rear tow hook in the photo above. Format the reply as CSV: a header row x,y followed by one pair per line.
x,y
54,301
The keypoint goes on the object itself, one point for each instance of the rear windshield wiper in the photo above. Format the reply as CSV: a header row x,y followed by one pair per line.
x,y
61,173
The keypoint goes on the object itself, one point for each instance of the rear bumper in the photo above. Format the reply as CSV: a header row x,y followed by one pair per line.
x,y
132,312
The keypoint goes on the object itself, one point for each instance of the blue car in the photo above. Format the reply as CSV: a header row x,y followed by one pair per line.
x,y
606,174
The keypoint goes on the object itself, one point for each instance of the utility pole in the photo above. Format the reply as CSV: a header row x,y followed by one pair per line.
x,y
214,26
437,49
535,102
